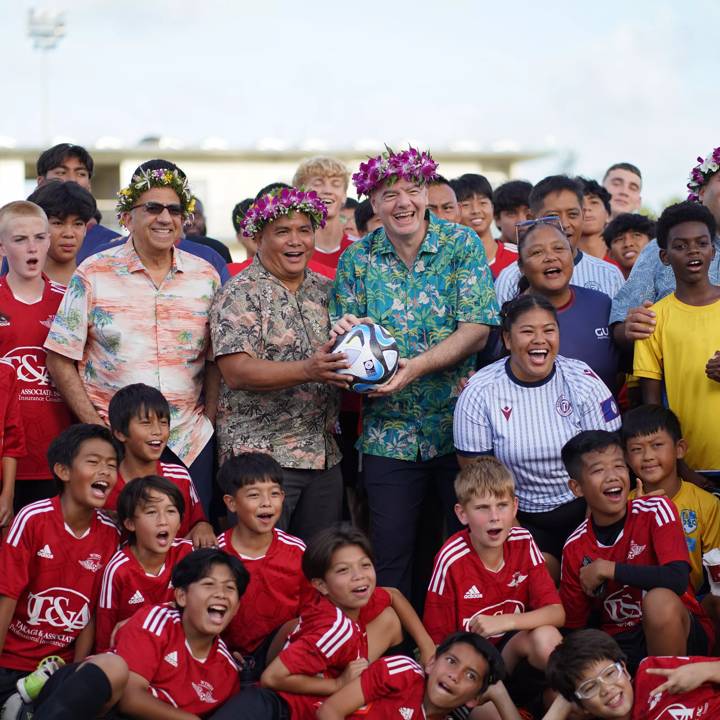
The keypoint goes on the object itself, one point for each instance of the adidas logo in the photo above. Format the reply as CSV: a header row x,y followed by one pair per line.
x,y
473,593
136,598
171,658
45,552
406,713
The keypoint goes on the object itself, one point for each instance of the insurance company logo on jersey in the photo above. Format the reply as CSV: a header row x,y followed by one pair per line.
x,y
635,550
473,594
27,364
563,406
506,607
506,411
204,691
45,552
92,563
406,713
678,711
621,606
516,579
136,599
59,607
172,659
689,520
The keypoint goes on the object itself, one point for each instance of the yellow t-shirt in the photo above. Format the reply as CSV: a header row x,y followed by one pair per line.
x,y
699,513
685,338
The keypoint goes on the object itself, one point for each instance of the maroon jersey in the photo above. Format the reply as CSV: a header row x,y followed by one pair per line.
x,y
178,475
55,577
23,330
462,587
703,703
652,535
154,646
393,688
126,588
323,644
12,434
276,592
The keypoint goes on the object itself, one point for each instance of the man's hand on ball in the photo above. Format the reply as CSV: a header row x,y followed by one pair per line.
x,y
405,374
345,324
323,365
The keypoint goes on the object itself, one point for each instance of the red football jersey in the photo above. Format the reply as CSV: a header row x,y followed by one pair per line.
x,y
652,535
276,592
462,587
323,644
12,433
701,703
23,330
154,645
393,688
330,259
55,577
126,588
506,255
179,475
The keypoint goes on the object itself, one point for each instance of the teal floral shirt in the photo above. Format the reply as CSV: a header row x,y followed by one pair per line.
x,y
449,283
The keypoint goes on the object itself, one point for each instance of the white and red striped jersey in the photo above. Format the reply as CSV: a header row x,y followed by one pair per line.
x,y
461,587
179,475
55,577
276,593
23,330
393,688
652,535
127,588
154,645
323,644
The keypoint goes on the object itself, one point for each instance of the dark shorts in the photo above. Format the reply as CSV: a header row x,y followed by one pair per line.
x,y
632,643
256,661
254,704
551,529
8,681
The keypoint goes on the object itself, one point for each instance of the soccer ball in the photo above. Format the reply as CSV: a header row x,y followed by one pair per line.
x,y
372,353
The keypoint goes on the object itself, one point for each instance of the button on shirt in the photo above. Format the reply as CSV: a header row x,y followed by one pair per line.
x,y
122,329
448,283
255,313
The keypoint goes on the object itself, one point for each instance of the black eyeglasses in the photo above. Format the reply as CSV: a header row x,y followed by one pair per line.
x,y
522,228
156,208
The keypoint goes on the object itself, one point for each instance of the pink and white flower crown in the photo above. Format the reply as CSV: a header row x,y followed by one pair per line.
x,y
411,165
146,179
702,172
279,202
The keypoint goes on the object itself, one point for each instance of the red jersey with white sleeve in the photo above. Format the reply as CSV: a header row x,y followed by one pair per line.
x,y
461,587
330,259
323,644
703,702
393,688
652,535
277,591
178,475
55,577
23,330
12,433
505,255
154,645
127,587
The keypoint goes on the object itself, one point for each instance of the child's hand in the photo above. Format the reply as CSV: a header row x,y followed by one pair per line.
x,y
593,575
640,490
712,368
488,625
6,510
202,536
353,670
681,679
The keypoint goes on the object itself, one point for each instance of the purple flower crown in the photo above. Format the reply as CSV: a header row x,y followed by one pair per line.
x,y
279,202
702,172
411,165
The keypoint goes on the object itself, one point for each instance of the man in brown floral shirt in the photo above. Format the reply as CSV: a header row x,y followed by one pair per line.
x,y
270,331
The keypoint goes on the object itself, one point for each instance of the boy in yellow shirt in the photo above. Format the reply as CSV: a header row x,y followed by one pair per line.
x,y
683,349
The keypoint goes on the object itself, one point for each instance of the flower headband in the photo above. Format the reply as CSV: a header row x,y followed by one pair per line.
x,y
279,202
702,172
410,165
161,177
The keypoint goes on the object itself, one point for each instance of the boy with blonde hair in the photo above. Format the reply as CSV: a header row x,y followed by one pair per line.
x,y
329,178
491,578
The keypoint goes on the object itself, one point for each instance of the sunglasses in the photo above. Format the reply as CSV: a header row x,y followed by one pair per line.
x,y
156,208
522,228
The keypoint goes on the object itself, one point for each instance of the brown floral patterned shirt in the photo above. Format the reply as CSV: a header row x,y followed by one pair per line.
x,y
255,313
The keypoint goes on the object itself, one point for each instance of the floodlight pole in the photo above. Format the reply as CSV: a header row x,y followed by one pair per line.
x,y
45,28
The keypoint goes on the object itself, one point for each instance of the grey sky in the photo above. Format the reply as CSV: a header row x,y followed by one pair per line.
x,y
596,83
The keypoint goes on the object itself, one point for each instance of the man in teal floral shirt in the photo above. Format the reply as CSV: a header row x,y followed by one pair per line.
x,y
427,282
